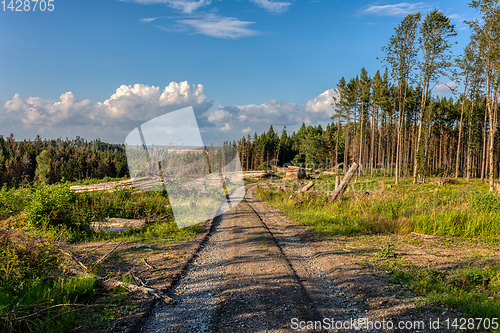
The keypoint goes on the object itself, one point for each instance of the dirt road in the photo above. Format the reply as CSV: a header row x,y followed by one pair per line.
x,y
259,271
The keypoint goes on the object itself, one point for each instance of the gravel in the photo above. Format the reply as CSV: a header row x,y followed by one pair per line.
x,y
196,293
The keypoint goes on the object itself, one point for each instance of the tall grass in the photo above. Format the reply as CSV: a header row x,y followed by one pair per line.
x,y
55,208
466,210
34,287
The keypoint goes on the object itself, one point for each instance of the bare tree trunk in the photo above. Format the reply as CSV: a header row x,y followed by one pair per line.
x,y
372,150
457,164
483,155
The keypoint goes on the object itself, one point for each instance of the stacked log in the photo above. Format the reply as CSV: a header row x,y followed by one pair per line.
x,y
112,186
294,172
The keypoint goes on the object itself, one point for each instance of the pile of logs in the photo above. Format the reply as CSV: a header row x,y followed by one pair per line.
x,y
294,172
112,186
258,174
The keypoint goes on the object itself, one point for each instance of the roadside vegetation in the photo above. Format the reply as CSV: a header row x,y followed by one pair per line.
x,y
385,222
39,290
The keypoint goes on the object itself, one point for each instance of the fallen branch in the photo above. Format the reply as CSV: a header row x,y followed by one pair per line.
x,y
150,266
307,187
107,254
52,307
74,258
132,287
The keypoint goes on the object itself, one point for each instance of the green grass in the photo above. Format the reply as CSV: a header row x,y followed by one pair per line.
x,y
473,290
33,281
56,209
464,211
34,288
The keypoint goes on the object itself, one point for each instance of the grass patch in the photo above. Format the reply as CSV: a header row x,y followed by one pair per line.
x,y
467,210
35,288
460,212
473,290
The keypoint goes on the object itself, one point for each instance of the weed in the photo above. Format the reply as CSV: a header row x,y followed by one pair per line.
x,y
387,250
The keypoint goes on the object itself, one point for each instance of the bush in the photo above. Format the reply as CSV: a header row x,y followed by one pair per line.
x,y
56,204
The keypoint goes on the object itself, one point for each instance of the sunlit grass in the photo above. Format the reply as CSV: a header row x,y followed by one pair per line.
x,y
462,209
466,211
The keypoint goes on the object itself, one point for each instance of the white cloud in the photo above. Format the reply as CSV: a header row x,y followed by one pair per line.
x,y
131,105
185,6
218,116
149,19
398,9
110,120
226,128
182,93
441,89
322,103
274,7
220,27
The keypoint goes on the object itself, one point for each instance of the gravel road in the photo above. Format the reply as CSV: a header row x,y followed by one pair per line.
x,y
257,272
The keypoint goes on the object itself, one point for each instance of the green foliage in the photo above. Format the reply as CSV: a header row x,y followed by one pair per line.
x,y
33,283
387,250
473,290
51,202
51,161
13,202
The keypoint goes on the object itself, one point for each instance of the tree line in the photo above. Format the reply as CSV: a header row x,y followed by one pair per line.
x,y
393,120
51,161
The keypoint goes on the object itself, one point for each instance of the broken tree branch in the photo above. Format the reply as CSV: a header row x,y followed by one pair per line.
x,y
107,254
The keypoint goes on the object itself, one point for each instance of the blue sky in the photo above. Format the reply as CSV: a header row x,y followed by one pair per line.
x,y
100,68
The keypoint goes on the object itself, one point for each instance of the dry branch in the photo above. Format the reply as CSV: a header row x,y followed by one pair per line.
x,y
107,254
148,291
74,258
150,266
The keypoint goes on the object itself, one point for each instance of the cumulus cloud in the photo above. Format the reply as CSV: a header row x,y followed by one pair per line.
x,y
185,6
226,128
398,9
323,103
444,88
219,26
274,7
110,120
237,118
217,116
132,105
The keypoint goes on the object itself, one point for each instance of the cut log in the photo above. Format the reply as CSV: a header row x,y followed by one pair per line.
x,y
339,191
307,187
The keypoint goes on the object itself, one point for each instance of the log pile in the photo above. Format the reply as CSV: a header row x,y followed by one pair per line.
x,y
294,172
118,224
112,186
258,174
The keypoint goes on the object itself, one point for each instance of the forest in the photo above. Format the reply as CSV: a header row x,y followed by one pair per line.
x,y
392,121
52,161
